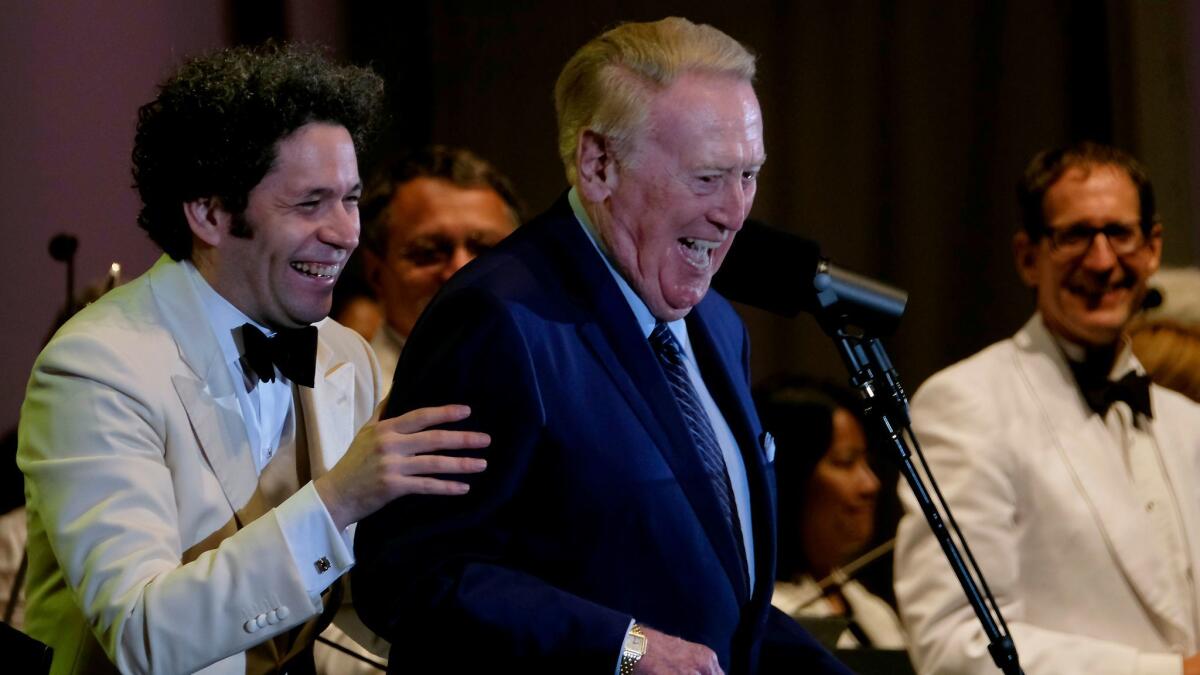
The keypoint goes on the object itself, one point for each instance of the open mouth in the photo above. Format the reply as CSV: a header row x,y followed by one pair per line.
x,y
316,270
698,252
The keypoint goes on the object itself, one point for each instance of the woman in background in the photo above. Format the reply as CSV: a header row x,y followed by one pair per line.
x,y
826,509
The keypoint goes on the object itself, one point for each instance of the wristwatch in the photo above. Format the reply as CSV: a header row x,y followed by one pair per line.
x,y
633,649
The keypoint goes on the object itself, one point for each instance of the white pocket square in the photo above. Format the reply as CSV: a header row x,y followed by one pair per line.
x,y
768,443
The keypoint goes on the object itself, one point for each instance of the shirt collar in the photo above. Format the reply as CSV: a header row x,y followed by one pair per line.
x,y
1124,363
223,317
646,321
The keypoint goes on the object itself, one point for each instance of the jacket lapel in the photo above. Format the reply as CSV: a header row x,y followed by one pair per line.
x,y
610,330
328,410
1097,463
207,393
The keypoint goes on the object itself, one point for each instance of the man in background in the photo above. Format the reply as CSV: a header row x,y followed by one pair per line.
x,y
1073,478
425,215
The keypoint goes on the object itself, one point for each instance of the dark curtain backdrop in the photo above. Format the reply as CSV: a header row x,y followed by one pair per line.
x,y
895,131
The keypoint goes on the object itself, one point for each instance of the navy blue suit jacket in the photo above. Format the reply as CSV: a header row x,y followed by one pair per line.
x,y
595,508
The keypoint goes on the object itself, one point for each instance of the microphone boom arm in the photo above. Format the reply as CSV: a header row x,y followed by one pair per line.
x,y
886,413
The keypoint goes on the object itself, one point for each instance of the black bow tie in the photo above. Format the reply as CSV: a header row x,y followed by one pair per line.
x,y
293,351
1101,393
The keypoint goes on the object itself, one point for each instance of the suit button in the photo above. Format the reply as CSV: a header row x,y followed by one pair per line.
x,y
251,626
283,612
261,620
273,617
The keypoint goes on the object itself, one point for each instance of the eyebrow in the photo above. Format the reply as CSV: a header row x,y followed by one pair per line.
x,y
326,191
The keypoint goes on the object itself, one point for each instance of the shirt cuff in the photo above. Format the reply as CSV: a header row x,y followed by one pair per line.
x,y
320,551
1149,663
617,670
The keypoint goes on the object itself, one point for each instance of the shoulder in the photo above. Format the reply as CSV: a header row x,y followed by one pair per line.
x,y
545,271
971,382
531,260
1174,408
122,332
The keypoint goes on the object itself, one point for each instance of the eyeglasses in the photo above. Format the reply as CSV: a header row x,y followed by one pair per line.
x,y
1075,240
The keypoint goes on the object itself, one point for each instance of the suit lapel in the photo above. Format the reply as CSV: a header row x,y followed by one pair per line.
x,y
610,330
1097,463
328,410
207,392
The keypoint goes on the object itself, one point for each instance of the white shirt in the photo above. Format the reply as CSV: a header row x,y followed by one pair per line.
x,y
803,598
387,345
264,408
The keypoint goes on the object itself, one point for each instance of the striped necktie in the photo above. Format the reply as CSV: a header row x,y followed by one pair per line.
x,y
699,427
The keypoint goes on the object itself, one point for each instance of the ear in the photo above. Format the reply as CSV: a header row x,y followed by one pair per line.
x,y
1026,252
373,271
595,166
207,220
1155,244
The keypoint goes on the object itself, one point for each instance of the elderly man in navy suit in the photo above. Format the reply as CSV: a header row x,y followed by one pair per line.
x,y
625,522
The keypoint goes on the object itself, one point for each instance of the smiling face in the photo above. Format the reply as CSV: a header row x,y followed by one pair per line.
x,y
667,212
302,222
839,509
1089,298
434,228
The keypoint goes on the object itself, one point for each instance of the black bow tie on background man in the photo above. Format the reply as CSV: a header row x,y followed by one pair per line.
x,y
292,350
1101,392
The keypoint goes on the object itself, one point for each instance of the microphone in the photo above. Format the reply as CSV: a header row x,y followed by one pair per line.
x,y
62,248
786,274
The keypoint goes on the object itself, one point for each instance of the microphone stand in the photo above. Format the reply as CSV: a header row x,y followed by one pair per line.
x,y
886,412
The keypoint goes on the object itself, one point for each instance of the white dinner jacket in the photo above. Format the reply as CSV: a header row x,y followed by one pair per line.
x,y
137,465
1039,487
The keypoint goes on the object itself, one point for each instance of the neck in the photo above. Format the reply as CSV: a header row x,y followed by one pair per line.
x,y
1100,358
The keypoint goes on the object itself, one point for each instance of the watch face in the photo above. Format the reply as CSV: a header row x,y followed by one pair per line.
x,y
635,643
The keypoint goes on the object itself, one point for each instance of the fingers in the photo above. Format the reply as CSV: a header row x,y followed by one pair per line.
x,y
437,464
423,418
433,486
434,439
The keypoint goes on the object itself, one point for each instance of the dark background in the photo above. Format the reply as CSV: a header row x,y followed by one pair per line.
x,y
895,131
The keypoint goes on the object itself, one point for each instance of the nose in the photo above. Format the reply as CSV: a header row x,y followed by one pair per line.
x,y
868,482
341,229
460,257
733,204
1099,254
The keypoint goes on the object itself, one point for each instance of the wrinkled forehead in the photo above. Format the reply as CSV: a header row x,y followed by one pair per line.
x,y
713,117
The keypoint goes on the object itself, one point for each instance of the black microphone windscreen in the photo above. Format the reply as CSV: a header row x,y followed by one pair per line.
x,y
770,269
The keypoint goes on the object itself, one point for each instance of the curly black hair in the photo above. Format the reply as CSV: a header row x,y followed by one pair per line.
x,y
214,127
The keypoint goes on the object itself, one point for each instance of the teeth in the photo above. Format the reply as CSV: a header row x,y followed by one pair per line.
x,y
316,270
700,244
